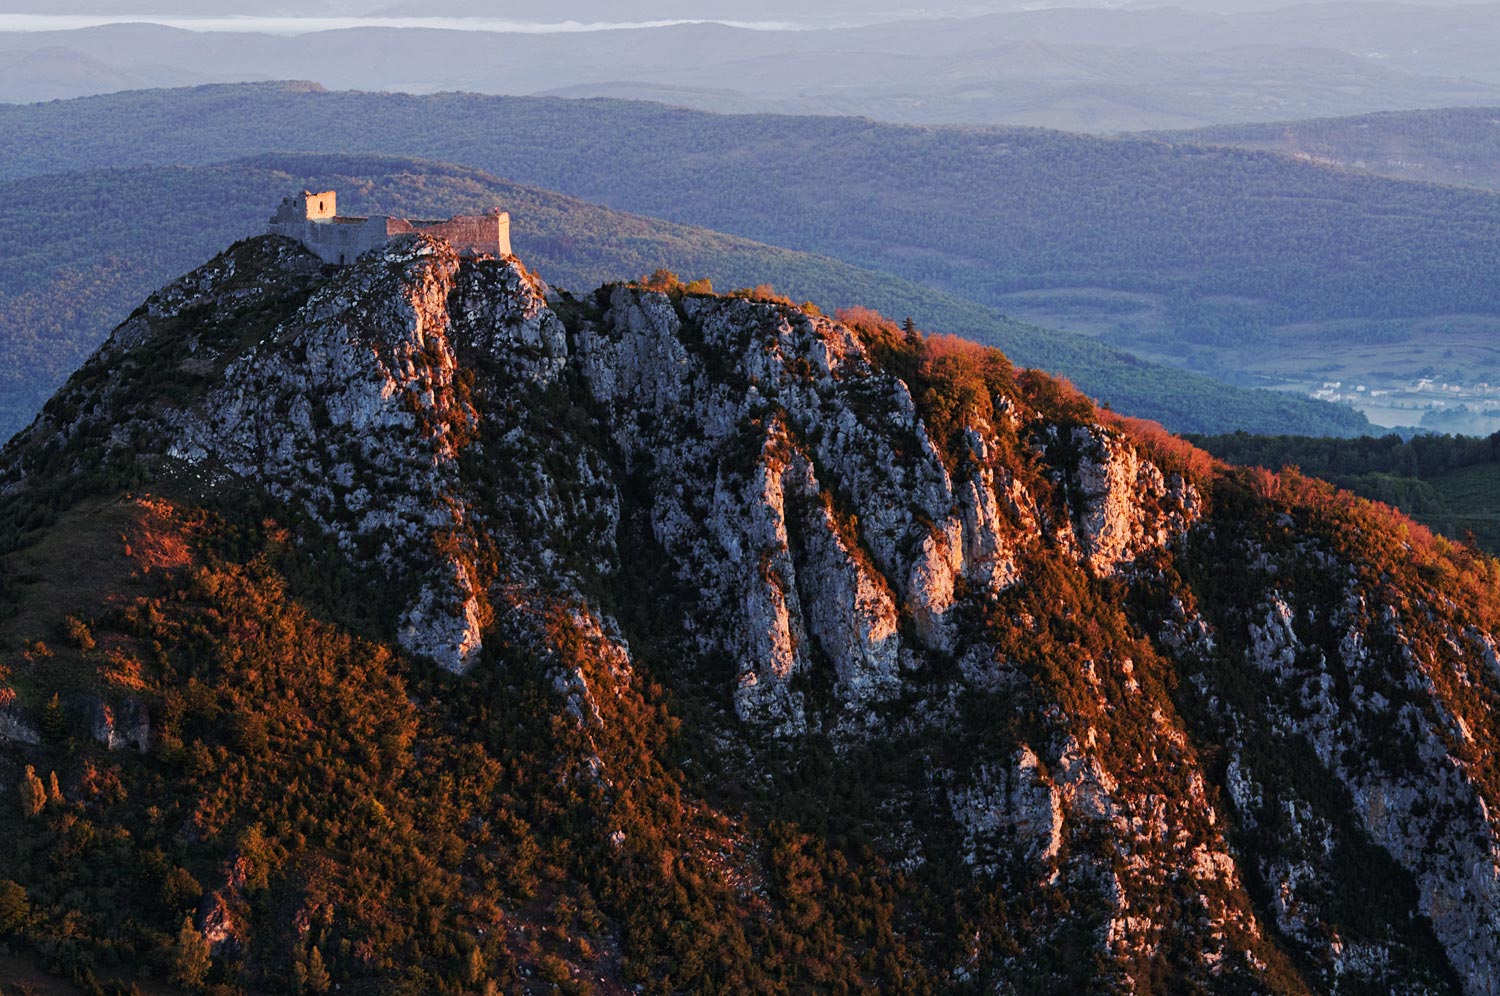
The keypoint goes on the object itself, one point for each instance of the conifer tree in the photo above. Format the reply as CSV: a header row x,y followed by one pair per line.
x,y
191,959
255,852
53,723
33,793
909,329
474,966
309,974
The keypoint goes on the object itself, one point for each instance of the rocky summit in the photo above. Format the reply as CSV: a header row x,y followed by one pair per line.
x,y
413,627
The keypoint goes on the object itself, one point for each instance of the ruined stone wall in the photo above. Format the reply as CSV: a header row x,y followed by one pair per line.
x,y
306,218
306,206
318,206
472,235
335,241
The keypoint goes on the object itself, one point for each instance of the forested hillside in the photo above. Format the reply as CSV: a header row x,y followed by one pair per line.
x,y
1453,145
982,211
1190,254
1450,483
82,248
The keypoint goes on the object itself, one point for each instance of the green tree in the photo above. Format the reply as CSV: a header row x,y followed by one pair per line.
x,y
255,852
15,907
180,890
54,724
33,793
309,975
191,959
909,330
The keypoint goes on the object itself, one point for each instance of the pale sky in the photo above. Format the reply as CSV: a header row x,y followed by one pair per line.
x,y
305,25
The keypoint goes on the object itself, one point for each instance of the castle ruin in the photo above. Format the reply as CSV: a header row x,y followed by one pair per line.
x,y
313,220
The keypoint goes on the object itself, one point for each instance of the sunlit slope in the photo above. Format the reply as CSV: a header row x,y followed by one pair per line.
x,y
1449,483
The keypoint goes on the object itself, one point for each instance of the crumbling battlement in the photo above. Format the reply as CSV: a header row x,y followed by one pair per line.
x,y
313,219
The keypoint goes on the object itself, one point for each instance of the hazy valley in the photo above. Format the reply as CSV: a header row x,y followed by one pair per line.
x,y
1098,69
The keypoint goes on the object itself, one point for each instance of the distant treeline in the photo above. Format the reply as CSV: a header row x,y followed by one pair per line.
x,y
1451,483
1423,456
1454,145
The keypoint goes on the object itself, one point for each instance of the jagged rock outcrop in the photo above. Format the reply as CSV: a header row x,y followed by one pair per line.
x,y
349,411
1372,713
1068,661
126,724
17,728
1022,811
1127,505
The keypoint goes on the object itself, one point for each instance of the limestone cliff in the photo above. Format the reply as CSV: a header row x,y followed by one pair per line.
x,y
1150,713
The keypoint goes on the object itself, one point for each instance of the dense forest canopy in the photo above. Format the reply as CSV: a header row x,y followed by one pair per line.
x,y
1453,145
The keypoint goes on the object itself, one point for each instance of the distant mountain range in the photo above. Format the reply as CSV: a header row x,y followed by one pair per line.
x,y
834,11
56,73
1081,68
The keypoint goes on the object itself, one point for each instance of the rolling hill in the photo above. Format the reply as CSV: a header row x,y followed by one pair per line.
x,y
1454,145
83,247
1098,70
1244,265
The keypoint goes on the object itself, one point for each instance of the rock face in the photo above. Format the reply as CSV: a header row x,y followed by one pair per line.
x,y
1021,810
1097,674
351,413
16,728
1126,504
124,725
1430,816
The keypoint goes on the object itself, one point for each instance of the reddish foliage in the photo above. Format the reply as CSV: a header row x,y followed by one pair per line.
x,y
765,293
160,538
1167,451
873,328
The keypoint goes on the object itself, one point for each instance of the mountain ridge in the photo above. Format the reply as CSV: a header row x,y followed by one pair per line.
x,y
1165,67
1452,145
107,238
1234,264
485,634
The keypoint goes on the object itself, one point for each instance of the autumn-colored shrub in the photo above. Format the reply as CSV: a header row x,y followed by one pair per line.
x,y
1167,451
666,282
764,293
875,331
